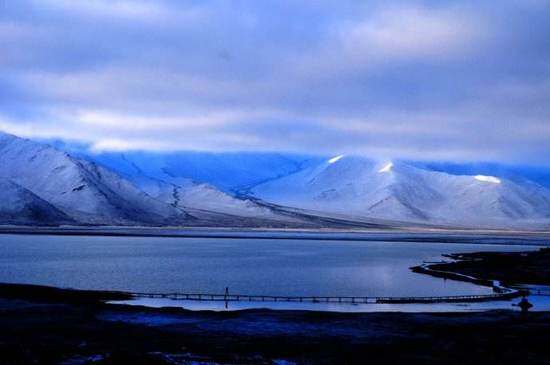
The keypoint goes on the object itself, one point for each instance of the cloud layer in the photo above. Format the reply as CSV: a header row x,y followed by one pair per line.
x,y
453,80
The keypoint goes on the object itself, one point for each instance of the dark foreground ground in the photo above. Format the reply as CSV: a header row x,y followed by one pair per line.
x,y
49,326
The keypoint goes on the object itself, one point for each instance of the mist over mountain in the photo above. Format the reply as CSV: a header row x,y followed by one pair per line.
x,y
227,171
234,171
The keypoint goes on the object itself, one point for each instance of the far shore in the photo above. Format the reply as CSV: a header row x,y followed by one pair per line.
x,y
389,234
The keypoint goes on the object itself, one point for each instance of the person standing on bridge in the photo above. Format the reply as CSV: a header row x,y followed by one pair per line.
x,y
524,305
225,297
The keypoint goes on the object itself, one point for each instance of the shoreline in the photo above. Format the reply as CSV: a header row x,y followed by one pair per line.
x,y
50,327
55,325
447,270
389,235
508,268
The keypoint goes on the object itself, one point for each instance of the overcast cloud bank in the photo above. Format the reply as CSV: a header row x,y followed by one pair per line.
x,y
435,80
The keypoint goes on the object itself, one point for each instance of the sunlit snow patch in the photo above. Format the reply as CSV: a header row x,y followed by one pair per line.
x,y
387,167
489,179
334,159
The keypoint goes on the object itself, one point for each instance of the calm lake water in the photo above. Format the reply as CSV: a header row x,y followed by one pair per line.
x,y
246,266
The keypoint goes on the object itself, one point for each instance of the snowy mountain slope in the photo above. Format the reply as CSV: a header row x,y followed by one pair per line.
x,y
185,193
213,207
228,171
20,206
236,171
92,194
347,185
396,191
207,197
86,192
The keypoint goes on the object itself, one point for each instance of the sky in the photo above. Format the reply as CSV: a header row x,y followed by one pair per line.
x,y
428,80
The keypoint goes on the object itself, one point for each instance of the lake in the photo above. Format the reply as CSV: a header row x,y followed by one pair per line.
x,y
245,265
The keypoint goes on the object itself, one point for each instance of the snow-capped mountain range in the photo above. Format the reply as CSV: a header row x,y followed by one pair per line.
x,y
46,185
41,184
360,187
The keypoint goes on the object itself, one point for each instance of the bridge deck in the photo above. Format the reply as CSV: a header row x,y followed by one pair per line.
x,y
328,299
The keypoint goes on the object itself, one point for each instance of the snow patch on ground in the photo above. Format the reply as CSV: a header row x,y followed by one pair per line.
x,y
489,179
335,159
386,168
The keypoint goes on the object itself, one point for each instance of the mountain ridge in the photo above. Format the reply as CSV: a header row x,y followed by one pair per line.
x,y
83,190
398,191
121,189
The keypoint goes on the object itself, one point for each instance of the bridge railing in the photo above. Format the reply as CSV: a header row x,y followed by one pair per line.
x,y
328,299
